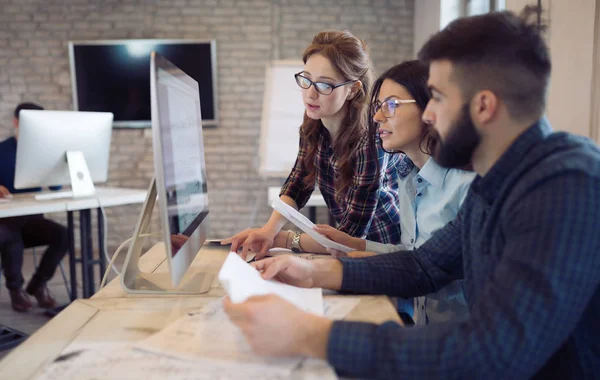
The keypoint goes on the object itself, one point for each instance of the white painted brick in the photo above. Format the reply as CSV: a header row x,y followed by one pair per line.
x,y
248,32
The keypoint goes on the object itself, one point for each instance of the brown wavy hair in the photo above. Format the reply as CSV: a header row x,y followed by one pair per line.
x,y
349,56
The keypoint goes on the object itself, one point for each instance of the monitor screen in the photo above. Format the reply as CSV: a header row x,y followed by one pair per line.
x,y
113,76
179,158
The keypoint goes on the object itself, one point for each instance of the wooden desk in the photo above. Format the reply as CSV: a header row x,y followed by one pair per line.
x,y
113,316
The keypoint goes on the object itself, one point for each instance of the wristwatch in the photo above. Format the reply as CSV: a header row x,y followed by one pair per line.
x,y
296,243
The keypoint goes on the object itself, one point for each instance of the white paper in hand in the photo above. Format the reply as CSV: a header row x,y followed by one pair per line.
x,y
241,281
307,226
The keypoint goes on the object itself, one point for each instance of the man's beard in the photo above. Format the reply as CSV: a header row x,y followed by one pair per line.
x,y
456,150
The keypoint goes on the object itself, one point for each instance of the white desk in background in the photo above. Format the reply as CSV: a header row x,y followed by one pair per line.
x,y
315,200
112,316
23,204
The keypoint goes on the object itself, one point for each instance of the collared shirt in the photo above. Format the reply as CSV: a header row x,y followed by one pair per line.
x,y
430,198
526,242
367,210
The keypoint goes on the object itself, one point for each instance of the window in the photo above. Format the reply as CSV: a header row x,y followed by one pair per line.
x,y
450,10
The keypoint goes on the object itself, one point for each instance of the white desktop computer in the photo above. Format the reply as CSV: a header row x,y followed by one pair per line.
x,y
179,187
63,148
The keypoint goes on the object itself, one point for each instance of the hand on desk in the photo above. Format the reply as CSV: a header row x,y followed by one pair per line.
x,y
4,193
255,239
275,327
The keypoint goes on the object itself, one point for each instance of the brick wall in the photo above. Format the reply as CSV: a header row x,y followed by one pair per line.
x,y
34,66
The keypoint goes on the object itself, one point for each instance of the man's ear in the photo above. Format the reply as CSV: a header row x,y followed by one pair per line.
x,y
15,122
484,107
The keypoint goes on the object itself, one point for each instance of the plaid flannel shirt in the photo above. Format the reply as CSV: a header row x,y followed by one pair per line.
x,y
367,211
526,242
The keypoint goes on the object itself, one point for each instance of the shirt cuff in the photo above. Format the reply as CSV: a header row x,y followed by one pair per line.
x,y
290,191
354,274
380,248
350,349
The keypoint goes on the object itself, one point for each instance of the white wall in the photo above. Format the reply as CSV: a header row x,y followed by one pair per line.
x,y
427,22
574,41
595,122
571,41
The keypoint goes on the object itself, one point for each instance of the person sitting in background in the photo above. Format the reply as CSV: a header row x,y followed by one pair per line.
x,y
22,232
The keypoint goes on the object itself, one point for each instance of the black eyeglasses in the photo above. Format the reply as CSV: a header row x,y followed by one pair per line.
x,y
388,106
321,87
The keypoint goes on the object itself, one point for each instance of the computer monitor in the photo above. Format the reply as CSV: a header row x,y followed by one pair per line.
x,y
179,186
63,148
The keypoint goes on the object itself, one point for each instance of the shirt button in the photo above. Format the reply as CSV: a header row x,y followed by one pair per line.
x,y
423,307
412,240
418,194
419,180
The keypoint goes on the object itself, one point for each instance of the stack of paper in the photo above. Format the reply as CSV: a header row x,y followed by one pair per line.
x,y
208,333
200,345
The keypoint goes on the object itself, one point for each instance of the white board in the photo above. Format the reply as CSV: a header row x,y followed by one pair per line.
x,y
282,115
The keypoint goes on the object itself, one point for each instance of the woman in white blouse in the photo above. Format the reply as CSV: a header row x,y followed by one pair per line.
x,y
429,196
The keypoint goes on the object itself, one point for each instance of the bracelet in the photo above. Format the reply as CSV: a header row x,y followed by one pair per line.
x,y
287,237
296,248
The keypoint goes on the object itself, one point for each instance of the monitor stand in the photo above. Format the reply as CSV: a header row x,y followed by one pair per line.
x,y
81,179
134,280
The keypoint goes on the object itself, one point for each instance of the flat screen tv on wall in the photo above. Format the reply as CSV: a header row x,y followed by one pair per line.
x,y
114,76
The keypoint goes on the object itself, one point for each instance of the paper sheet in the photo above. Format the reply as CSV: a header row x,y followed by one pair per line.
x,y
306,225
339,307
200,345
126,362
241,281
182,338
208,333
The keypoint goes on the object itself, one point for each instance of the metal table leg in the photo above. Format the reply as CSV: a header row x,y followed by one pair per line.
x,y
101,246
72,258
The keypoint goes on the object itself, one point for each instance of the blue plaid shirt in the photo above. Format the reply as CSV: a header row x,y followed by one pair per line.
x,y
526,243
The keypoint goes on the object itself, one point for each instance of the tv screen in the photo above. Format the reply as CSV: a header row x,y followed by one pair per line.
x,y
114,76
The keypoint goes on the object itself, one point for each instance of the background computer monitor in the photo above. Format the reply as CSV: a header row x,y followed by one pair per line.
x,y
179,188
46,136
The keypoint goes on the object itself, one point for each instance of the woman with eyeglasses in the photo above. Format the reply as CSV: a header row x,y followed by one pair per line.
x,y
429,196
335,152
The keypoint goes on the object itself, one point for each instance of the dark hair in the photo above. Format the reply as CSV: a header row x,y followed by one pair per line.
x,y
27,106
349,56
500,52
413,76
